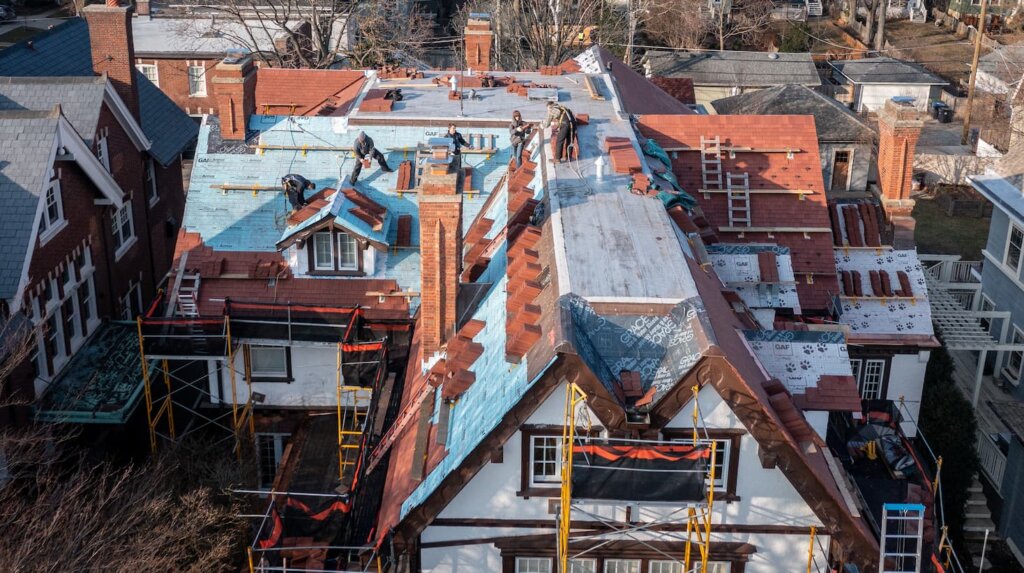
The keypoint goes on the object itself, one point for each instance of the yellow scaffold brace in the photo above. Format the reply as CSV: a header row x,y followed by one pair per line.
x,y
574,396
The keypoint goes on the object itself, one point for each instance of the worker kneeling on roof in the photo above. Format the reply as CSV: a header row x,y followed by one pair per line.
x,y
295,186
365,151
563,127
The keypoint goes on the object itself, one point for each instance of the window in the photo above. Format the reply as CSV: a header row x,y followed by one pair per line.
x,y
323,255
1017,356
1014,246
583,566
269,363
621,566
53,212
85,304
123,228
855,366
196,81
667,567
533,565
151,189
149,70
348,254
872,379
545,460
986,306
102,152
269,448
723,460
71,326
131,302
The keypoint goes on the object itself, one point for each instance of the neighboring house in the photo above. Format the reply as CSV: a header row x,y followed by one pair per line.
x,y
1010,444
1000,70
873,81
844,141
967,10
92,188
717,75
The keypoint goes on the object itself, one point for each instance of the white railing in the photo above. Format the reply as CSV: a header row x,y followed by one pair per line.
x,y
993,462
950,269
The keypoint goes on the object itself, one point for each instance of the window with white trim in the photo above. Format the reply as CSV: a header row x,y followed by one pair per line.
x,y
986,306
151,190
196,80
621,566
52,339
323,253
269,449
268,363
52,219
533,565
545,460
150,71
583,566
122,226
723,455
1016,357
872,379
333,251
1014,247
102,151
131,302
86,304
72,328
666,567
348,252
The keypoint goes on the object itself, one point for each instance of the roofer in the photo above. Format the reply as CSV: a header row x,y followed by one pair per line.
x,y
295,186
519,130
365,151
563,127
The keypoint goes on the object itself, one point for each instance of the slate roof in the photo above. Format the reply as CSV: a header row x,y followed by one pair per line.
x,y
26,140
65,51
80,98
885,70
752,69
834,122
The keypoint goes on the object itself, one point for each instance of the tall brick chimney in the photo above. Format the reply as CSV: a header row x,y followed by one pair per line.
x,y
899,127
478,37
113,49
440,199
234,86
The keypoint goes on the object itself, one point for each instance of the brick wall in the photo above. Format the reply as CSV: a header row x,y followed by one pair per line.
x,y
440,258
172,79
113,52
235,89
899,128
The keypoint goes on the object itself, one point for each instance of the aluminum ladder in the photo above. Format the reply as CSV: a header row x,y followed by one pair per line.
x,y
902,529
711,162
738,187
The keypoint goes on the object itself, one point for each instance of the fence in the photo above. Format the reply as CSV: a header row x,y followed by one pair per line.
x,y
993,462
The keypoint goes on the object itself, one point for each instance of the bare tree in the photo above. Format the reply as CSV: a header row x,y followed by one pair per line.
x,y
529,34
386,32
678,23
741,20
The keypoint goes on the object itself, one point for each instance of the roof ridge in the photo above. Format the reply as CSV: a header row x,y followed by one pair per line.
x,y
85,80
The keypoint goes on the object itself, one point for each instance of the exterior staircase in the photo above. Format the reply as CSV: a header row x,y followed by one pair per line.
x,y
978,519
815,8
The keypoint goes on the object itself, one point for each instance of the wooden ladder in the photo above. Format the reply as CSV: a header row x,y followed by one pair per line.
x,y
739,199
711,162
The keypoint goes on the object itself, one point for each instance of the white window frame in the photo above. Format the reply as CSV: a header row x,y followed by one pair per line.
x,y
583,565
849,169
345,239
630,565
117,222
131,302
665,566
318,264
156,72
75,338
151,189
875,391
1017,355
1015,266
533,565
723,457
102,149
48,226
545,480
986,305
278,443
201,92
269,375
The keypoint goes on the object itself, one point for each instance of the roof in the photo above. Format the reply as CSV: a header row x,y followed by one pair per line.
x,y
800,358
308,92
198,37
834,122
638,94
1005,63
1011,413
1002,186
169,129
80,98
760,145
26,146
871,314
725,68
679,88
885,70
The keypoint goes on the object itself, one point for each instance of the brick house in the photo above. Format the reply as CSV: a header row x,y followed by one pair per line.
x,y
92,188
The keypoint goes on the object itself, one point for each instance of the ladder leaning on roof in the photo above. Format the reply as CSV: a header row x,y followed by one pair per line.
x,y
711,162
739,199
900,546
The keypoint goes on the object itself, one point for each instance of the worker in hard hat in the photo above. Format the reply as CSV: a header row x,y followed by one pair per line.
x,y
365,151
295,186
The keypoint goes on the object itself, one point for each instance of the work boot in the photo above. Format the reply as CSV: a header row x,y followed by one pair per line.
x,y
387,169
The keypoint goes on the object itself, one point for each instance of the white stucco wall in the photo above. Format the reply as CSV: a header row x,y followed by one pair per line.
x,y
906,380
872,97
314,384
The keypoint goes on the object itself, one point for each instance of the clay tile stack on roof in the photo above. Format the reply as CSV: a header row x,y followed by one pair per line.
x,y
375,101
475,243
405,180
766,262
366,209
860,221
313,206
461,353
851,283
570,66
518,191
832,394
623,157
522,327
550,70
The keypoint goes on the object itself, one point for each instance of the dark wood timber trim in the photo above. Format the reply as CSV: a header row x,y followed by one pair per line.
x,y
751,529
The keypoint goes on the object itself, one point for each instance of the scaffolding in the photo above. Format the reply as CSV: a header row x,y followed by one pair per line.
x,y
354,403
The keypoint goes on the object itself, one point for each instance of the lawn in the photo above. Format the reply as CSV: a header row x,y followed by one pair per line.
x,y
939,234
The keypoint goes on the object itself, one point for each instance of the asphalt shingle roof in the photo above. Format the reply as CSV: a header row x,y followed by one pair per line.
x,y
26,140
735,68
834,122
80,98
885,71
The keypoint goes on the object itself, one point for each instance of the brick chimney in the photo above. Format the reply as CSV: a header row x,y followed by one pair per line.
x,y
899,127
478,36
113,49
440,199
234,86
142,7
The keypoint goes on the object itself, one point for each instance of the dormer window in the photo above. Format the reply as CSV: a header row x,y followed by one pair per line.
x,y
334,252
52,220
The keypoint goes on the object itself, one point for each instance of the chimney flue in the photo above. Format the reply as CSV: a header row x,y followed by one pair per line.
x,y
234,86
113,48
899,127
477,38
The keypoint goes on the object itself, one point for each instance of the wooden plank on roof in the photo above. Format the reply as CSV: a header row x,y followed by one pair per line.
x,y
764,191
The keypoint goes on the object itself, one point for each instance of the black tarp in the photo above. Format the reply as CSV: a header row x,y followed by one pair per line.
x,y
639,472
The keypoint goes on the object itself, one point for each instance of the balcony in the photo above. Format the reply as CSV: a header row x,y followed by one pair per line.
x,y
960,279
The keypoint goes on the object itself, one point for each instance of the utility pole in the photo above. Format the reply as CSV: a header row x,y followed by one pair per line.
x,y
974,72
